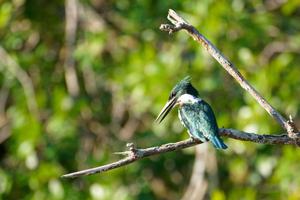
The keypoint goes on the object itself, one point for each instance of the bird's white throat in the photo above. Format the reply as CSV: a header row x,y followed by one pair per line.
x,y
187,98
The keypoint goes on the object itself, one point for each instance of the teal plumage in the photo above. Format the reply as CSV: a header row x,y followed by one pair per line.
x,y
201,123
195,114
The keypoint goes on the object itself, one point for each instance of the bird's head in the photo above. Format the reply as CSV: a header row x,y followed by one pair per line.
x,y
182,87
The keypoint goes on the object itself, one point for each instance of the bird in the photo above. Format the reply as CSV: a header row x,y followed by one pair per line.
x,y
195,114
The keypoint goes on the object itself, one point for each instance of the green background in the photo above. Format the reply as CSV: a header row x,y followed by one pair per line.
x,y
125,68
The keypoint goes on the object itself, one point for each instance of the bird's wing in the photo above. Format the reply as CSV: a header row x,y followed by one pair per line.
x,y
199,119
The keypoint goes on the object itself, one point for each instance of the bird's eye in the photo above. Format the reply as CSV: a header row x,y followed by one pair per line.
x,y
171,95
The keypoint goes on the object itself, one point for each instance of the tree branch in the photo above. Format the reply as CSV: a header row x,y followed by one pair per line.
x,y
134,154
178,23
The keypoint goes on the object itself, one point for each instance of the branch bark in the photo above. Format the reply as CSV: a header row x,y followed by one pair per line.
x,y
134,154
178,23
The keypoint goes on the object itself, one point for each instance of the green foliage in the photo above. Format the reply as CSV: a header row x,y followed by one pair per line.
x,y
126,68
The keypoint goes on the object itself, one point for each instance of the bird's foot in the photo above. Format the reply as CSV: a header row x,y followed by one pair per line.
x,y
194,139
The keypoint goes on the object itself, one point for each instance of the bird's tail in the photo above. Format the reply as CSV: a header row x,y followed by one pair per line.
x,y
218,142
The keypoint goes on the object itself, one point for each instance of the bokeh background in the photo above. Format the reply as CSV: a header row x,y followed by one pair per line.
x,y
81,78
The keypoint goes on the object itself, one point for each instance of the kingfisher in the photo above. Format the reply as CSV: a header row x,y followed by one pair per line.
x,y
194,113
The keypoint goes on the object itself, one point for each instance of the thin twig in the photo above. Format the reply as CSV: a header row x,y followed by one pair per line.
x,y
135,154
178,23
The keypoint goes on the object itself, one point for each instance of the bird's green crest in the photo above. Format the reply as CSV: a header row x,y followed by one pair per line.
x,y
183,87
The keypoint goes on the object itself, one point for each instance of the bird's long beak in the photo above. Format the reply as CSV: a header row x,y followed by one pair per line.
x,y
166,109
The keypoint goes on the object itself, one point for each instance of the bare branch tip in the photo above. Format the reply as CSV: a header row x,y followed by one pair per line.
x,y
131,146
173,14
125,153
175,18
171,11
64,176
291,118
292,130
168,28
67,175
